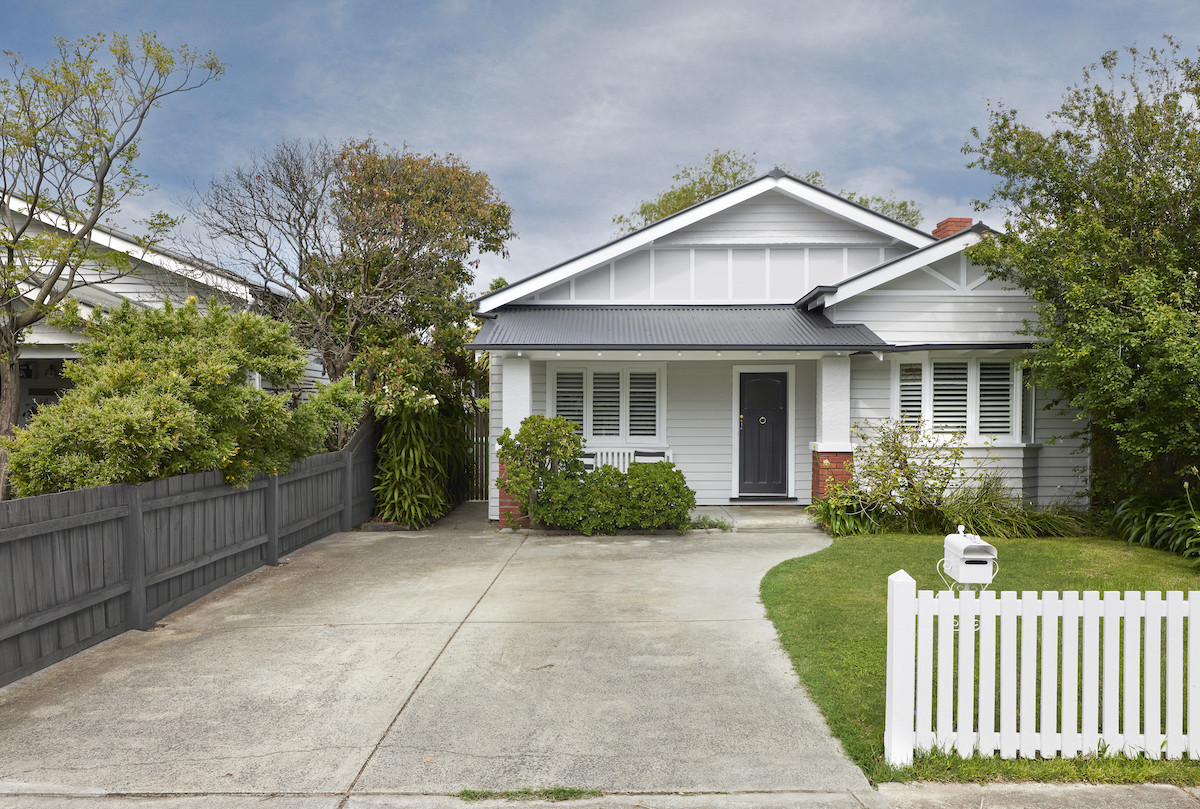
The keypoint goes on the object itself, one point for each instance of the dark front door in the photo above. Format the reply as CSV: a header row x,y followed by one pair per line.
x,y
762,424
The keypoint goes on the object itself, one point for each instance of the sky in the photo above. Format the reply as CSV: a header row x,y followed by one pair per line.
x,y
578,111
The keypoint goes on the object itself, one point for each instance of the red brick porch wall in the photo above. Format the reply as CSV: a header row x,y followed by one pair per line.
x,y
827,467
507,505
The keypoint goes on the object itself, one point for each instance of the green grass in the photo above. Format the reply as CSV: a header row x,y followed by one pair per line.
x,y
547,794
830,612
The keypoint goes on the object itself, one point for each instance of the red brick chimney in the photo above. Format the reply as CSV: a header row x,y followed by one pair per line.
x,y
948,227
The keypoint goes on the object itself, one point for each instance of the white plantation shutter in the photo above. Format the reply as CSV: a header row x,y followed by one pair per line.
x,y
949,397
568,397
606,403
911,392
995,398
643,404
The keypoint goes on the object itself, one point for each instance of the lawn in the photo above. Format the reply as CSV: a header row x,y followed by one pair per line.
x,y
829,610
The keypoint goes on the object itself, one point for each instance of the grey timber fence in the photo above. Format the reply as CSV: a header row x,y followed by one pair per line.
x,y
79,567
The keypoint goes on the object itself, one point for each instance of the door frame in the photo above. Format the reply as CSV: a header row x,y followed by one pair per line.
x,y
735,484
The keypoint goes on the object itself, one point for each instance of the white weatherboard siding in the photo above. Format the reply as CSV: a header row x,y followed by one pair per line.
x,y
773,218
948,301
537,378
870,390
806,427
1062,471
907,319
495,429
699,426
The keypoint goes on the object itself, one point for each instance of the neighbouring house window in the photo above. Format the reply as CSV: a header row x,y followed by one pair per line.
x,y
611,405
973,396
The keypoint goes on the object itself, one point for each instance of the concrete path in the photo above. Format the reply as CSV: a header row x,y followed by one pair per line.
x,y
376,669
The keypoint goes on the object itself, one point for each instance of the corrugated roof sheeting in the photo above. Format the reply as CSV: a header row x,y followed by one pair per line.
x,y
668,327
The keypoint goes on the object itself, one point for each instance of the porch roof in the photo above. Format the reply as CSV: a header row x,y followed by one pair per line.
x,y
763,327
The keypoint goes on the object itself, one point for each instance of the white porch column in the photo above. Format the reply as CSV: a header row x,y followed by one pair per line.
x,y
833,404
516,405
517,393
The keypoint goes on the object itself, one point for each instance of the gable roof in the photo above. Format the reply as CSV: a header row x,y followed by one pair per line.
x,y
759,327
776,180
210,275
822,296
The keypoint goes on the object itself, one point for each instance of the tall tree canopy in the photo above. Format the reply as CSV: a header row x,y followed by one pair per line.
x,y
346,241
68,154
725,169
1103,229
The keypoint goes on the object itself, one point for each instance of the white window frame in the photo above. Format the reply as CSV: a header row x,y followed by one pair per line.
x,y
972,435
553,369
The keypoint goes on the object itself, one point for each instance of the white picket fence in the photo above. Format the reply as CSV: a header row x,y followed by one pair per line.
x,y
1078,674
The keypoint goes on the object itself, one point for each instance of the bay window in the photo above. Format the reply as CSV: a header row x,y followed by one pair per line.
x,y
610,404
977,397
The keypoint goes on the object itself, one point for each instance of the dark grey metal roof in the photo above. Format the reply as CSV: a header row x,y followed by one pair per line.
x,y
668,327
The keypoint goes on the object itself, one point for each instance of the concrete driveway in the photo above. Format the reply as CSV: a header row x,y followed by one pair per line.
x,y
386,669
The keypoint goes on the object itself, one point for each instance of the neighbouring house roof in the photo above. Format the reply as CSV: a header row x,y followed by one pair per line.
x,y
763,327
822,296
776,180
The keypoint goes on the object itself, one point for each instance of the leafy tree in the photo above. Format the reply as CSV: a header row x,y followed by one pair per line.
x,y
164,392
345,240
725,169
1103,217
68,152
421,392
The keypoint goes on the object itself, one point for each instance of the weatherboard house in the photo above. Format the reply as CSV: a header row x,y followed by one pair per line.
x,y
744,338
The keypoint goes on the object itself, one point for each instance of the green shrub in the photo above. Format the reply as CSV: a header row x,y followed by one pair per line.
x,y
647,497
606,493
542,449
1172,525
162,392
563,502
985,507
544,474
417,455
659,496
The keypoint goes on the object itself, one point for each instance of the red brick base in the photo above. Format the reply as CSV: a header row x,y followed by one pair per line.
x,y
508,506
827,467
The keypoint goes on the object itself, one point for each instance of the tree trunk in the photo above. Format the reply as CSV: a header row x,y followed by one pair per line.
x,y
10,408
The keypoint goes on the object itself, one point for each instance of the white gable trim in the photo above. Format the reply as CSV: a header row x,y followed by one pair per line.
x,y
896,269
788,186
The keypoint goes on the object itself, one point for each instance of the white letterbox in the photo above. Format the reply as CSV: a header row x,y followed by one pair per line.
x,y
968,559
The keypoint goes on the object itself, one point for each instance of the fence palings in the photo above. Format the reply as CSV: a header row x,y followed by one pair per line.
x,y
79,567
1041,673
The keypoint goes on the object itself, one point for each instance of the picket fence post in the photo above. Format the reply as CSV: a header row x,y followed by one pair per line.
x,y
899,692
